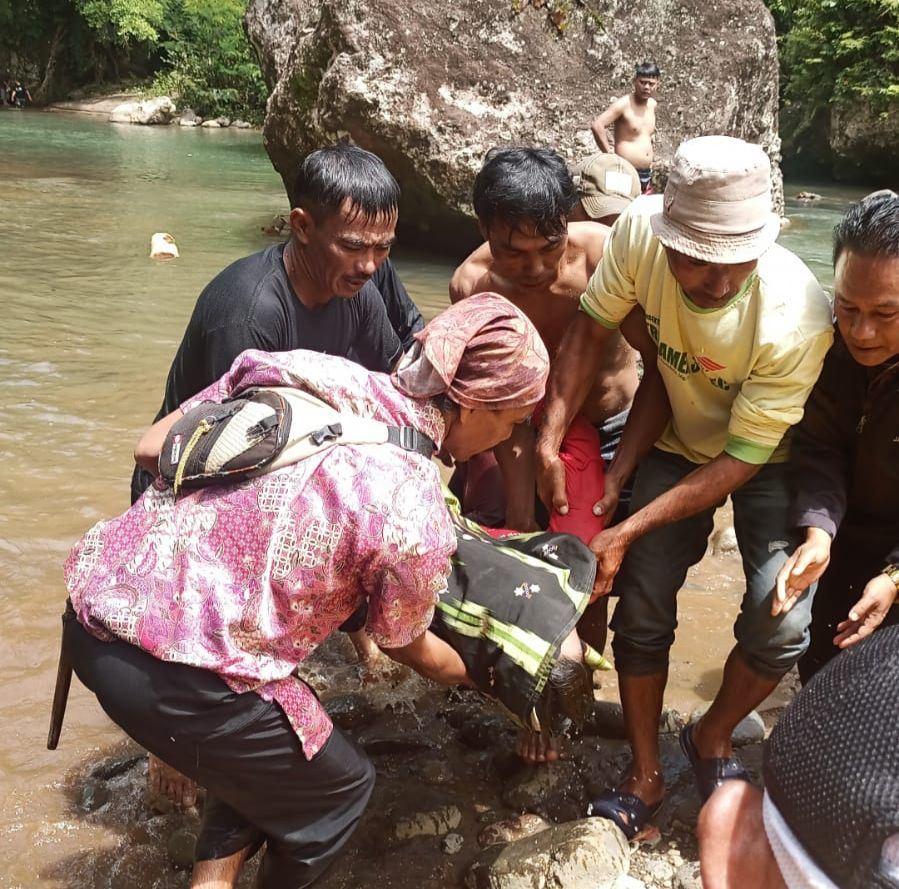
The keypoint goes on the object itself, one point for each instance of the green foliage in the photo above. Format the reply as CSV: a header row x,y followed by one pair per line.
x,y
208,61
124,21
195,50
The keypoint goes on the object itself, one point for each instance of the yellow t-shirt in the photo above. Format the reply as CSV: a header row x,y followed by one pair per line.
x,y
737,376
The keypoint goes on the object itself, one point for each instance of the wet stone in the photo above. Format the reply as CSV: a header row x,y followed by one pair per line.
x,y
511,829
181,847
435,772
351,711
587,854
435,823
484,731
506,762
93,795
750,730
687,876
406,742
724,541
606,720
114,767
452,843
537,788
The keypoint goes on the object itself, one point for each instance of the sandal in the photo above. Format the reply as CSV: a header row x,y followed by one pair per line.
x,y
627,812
710,773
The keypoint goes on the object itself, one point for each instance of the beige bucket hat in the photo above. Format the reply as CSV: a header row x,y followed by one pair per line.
x,y
606,184
717,203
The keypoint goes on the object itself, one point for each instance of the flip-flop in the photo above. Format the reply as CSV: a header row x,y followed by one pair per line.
x,y
710,773
627,812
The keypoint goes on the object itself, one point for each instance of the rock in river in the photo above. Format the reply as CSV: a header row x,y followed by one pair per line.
x,y
431,87
147,112
587,854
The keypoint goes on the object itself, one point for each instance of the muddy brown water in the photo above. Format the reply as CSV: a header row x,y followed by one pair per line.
x,y
90,326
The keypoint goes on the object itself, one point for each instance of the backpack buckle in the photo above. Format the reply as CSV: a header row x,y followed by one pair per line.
x,y
331,432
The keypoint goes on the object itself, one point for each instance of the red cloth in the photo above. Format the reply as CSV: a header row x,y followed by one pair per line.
x,y
585,475
483,499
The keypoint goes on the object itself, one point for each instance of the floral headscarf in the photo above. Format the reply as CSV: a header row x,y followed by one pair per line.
x,y
483,353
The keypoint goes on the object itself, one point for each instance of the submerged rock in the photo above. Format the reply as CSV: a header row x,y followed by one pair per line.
x,y
587,854
351,711
181,847
93,795
431,87
544,787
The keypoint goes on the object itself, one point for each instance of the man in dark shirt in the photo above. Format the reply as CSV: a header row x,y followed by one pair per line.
x,y
329,289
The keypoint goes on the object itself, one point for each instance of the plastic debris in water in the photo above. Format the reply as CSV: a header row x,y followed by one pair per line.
x,y
163,246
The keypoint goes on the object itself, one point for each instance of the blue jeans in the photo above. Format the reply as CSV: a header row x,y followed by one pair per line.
x,y
655,566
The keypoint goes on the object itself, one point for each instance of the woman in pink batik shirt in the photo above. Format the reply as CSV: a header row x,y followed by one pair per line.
x,y
193,612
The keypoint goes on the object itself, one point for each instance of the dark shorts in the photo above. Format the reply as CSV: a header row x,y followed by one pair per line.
x,y
261,788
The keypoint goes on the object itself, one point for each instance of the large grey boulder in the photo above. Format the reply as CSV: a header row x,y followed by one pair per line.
x,y
147,112
432,86
588,854
863,141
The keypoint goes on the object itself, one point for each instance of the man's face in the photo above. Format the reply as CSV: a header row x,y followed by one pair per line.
x,y
342,250
709,285
866,302
525,257
645,87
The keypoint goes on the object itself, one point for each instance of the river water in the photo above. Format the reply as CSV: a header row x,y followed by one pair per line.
x,y
90,326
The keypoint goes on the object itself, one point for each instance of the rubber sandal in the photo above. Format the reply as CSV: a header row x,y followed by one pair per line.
x,y
710,773
627,812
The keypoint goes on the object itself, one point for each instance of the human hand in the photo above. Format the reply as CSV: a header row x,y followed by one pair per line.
x,y
551,482
609,547
868,613
608,503
801,570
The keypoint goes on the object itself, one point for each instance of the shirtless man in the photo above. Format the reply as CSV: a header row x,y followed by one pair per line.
x,y
634,119
532,256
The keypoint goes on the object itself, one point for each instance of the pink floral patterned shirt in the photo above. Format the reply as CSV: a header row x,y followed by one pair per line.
x,y
246,579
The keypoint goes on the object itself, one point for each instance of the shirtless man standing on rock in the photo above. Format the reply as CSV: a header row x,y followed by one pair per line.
x,y
536,259
634,119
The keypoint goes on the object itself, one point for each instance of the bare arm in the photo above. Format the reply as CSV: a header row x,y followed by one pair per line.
x,y
647,419
604,120
146,453
515,457
701,489
573,373
432,658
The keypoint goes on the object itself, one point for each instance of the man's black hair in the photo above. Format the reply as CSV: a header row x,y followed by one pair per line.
x,y
870,227
648,69
329,176
525,188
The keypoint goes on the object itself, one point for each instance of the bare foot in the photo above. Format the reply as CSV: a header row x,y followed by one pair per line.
x,y
648,787
534,747
169,783
366,650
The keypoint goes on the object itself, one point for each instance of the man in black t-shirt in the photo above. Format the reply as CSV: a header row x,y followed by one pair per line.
x,y
329,289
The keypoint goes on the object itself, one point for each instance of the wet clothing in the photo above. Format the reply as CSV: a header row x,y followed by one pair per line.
x,y
510,604
738,376
656,565
242,749
245,580
846,480
252,305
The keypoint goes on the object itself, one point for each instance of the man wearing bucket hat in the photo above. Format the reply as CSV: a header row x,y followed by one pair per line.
x,y
606,184
741,327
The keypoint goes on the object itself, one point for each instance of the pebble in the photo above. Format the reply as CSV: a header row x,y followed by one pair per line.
x,y
181,847
724,541
94,795
452,843
687,876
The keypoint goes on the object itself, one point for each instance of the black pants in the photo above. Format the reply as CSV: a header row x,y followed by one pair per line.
x,y
857,556
261,788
